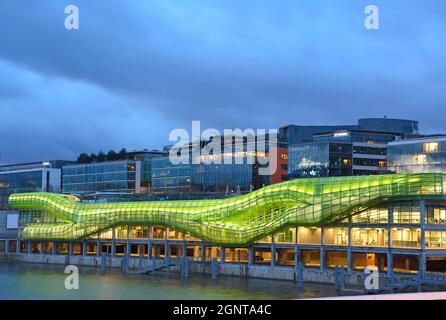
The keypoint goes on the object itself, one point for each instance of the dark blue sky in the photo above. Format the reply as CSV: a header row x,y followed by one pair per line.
x,y
137,69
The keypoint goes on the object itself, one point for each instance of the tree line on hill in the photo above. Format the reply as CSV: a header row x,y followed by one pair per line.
x,y
102,157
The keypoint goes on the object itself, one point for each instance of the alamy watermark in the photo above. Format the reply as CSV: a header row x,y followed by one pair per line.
x,y
371,22
72,17
233,146
371,282
72,280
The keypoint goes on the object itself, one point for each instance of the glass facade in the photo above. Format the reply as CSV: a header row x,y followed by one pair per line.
x,y
308,160
166,175
319,159
200,177
115,176
18,182
418,155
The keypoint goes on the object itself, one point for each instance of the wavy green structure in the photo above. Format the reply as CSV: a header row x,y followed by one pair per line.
x,y
231,221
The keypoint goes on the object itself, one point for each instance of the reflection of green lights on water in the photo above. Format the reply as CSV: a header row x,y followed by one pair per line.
x,y
36,281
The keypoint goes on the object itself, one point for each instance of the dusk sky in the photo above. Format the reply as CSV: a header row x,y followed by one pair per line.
x,y
137,69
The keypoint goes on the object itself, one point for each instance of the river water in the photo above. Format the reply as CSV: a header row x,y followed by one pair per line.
x,y
42,281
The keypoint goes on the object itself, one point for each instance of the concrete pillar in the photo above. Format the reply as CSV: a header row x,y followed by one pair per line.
x,y
149,249
42,249
203,253
166,250
322,256
389,225
223,255
389,245
17,248
29,247
296,255
127,249
389,264
250,256
53,248
184,250
98,248
6,246
273,255
84,248
70,248
113,248
422,257
297,235
349,247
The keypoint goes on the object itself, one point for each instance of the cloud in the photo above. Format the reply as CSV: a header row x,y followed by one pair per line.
x,y
135,70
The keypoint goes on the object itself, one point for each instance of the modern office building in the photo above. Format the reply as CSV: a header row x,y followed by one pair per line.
x,y
396,222
25,177
122,176
294,134
240,175
341,153
423,154
146,156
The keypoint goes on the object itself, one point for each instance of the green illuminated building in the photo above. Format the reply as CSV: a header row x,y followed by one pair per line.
x,y
232,221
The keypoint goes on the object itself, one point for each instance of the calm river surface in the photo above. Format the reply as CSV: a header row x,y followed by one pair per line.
x,y
42,281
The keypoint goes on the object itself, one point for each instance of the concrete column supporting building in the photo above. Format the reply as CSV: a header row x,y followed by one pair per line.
x,y
202,253
296,255
223,255
250,256
113,248
322,253
422,258
53,248
273,255
127,249
349,247
70,248
149,249
98,248
29,249
184,250
113,244
84,248
42,249
389,243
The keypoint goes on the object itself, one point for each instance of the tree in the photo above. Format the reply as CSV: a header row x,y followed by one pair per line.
x,y
93,157
83,158
101,156
122,155
112,155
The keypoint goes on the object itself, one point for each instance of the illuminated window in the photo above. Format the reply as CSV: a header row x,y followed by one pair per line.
x,y
382,163
430,147
336,236
345,162
419,158
406,238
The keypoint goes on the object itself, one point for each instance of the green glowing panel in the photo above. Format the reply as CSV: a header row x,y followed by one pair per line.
x,y
238,220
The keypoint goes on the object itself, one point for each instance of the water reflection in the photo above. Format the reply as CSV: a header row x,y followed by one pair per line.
x,y
37,281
